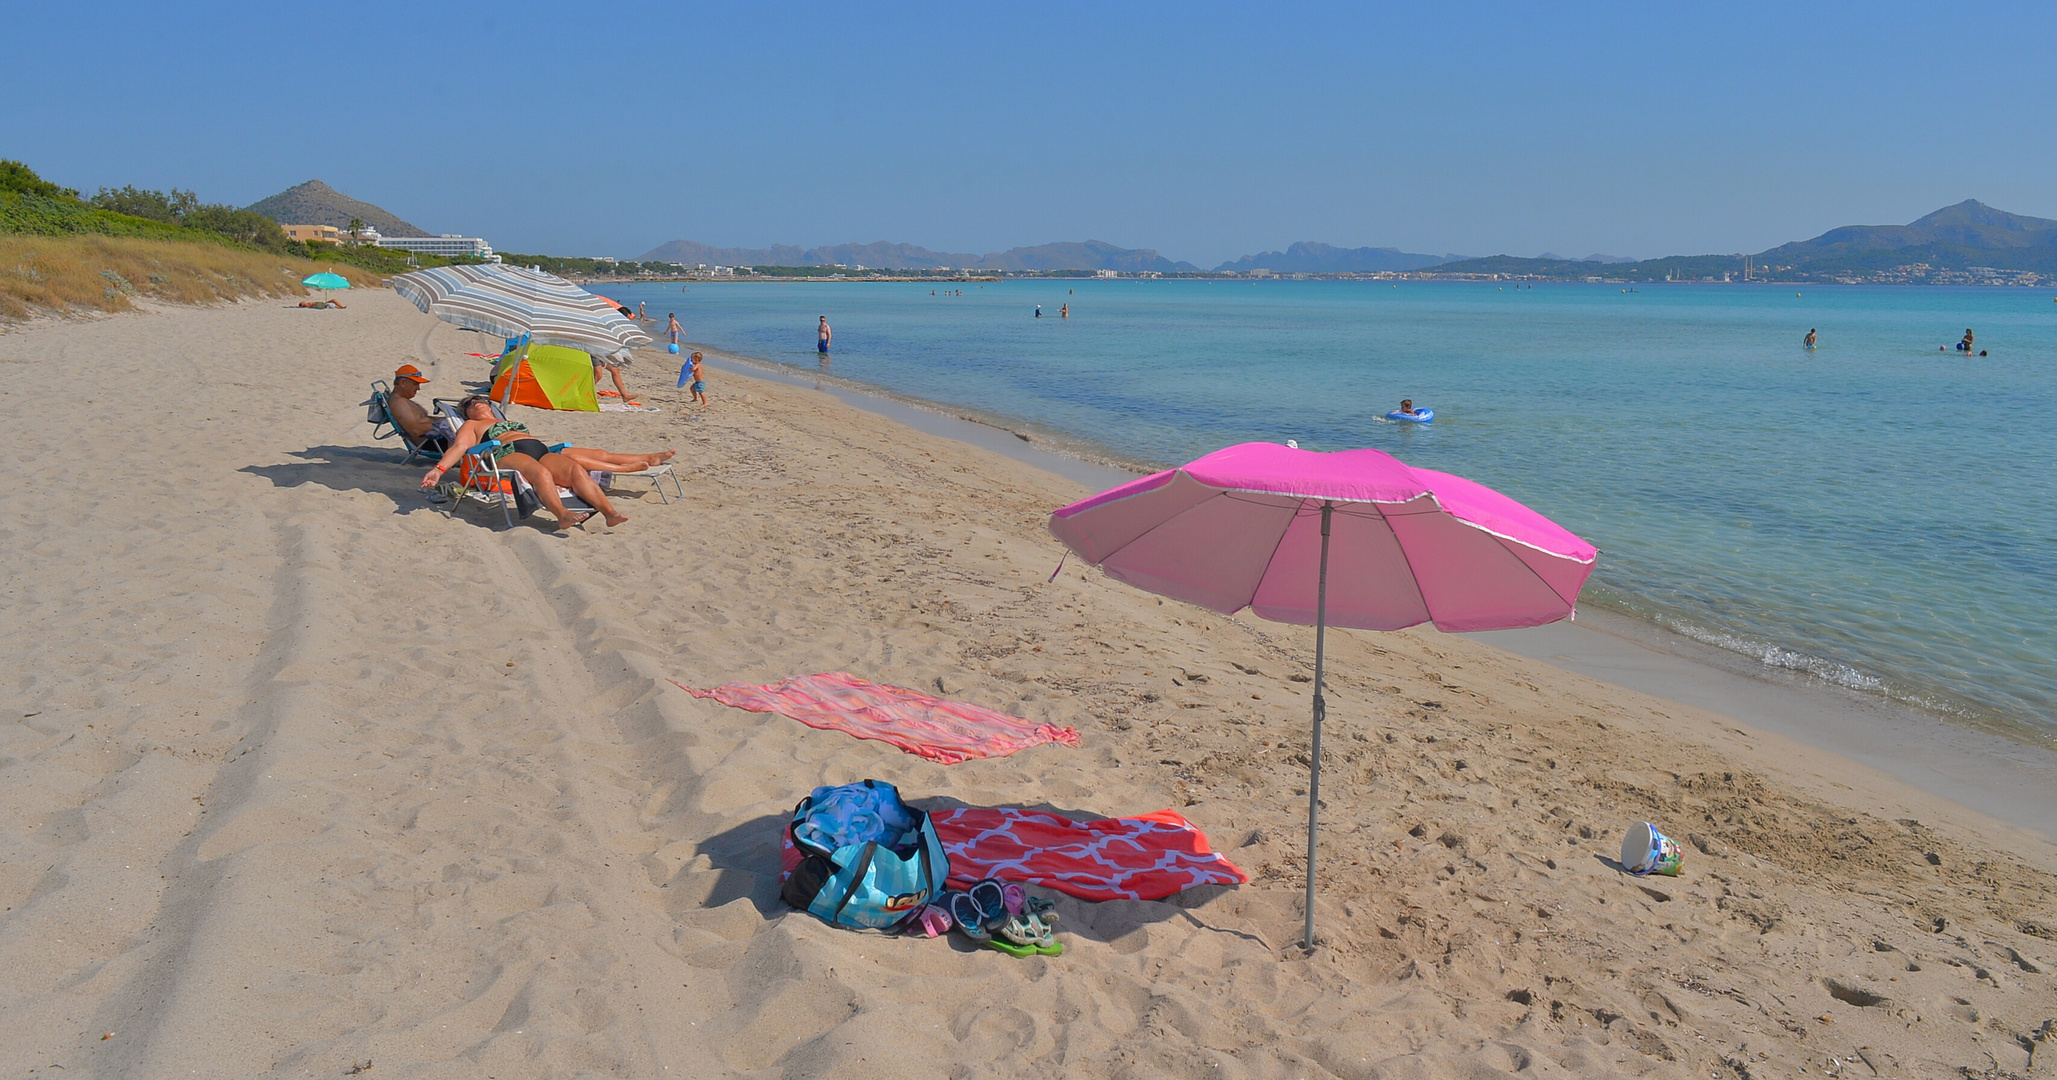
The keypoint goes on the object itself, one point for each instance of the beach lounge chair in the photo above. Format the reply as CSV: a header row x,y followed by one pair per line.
x,y
380,414
656,474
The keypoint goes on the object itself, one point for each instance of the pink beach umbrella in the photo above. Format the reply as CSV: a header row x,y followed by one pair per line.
x,y
1355,538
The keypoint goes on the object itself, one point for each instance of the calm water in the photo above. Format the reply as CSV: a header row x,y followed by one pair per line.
x,y
1875,512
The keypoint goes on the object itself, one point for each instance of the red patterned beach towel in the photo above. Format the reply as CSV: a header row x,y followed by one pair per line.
x,y
942,731
1136,858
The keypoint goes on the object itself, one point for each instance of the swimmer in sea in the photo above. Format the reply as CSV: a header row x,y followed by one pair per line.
x,y
1039,311
1965,345
1407,406
1809,340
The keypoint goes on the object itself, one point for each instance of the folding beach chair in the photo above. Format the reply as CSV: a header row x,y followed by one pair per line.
x,y
656,474
379,413
485,483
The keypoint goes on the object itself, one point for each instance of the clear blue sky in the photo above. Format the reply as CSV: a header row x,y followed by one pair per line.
x,y
1206,131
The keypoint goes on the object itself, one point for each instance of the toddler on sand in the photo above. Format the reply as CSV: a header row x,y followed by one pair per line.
x,y
699,384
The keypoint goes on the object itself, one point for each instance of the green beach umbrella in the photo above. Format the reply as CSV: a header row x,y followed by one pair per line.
x,y
325,281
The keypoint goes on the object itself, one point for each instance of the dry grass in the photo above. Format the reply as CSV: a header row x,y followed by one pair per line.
x,y
66,274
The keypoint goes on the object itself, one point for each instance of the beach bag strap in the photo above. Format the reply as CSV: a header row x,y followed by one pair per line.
x,y
928,869
857,870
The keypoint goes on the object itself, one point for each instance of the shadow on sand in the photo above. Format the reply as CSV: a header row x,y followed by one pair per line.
x,y
375,470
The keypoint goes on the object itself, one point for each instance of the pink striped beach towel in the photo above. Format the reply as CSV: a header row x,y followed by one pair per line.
x,y
942,731
1148,857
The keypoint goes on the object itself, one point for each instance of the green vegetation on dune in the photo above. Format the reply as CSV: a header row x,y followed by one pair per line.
x,y
39,215
32,206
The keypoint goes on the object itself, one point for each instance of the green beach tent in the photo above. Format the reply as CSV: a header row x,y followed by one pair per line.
x,y
546,377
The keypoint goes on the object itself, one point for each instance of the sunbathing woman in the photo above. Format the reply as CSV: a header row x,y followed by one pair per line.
x,y
522,452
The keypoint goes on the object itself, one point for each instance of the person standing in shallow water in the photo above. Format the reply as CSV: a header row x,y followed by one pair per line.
x,y
822,334
1808,341
675,328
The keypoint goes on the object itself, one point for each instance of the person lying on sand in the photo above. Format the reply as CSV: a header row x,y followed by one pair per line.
x,y
318,304
522,452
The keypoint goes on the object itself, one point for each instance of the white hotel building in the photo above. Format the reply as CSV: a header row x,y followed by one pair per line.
x,y
448,245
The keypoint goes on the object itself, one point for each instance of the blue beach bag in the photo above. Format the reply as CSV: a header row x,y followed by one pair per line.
x,y
856,856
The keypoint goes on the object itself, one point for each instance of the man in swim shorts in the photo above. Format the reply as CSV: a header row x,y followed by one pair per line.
x,y
1809,340
822,334
409,416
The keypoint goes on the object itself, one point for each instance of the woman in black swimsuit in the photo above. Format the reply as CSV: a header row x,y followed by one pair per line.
x,y
522,452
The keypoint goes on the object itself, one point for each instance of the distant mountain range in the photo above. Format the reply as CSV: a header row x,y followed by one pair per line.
x,y
1966,242
1090,255
1308,257
1969,241
316,203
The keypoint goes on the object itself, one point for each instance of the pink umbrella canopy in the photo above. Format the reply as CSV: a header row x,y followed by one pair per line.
x,y
1355,538
1241,527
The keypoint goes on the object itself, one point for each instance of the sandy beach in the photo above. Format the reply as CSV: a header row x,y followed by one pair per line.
x,y
303,777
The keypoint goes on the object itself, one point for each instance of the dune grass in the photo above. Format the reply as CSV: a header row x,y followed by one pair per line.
x,y
94,273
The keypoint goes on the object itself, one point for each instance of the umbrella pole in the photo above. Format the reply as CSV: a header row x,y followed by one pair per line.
x,y
1320,709
514,371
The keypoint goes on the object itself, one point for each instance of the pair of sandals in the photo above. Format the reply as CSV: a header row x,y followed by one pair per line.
x,y
1002,915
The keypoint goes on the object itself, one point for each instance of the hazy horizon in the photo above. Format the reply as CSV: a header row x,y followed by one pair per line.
x,y
1205,132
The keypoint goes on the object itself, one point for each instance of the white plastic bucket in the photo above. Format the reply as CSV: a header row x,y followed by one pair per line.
x,y
1646,851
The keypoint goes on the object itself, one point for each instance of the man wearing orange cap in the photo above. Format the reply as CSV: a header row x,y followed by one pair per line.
x,y
412,418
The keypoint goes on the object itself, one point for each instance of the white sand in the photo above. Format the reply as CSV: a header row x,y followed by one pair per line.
x,y
300,774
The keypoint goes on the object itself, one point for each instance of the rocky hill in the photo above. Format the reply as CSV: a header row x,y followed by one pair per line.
x,y
1968,225
316,203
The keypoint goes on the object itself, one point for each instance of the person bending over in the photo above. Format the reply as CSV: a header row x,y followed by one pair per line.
x,y
611,364
521,452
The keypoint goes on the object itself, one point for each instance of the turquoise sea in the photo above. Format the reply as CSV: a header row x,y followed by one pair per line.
x,y
1875,512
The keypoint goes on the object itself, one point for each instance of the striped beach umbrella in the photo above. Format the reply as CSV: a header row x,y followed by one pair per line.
x,y
513,300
